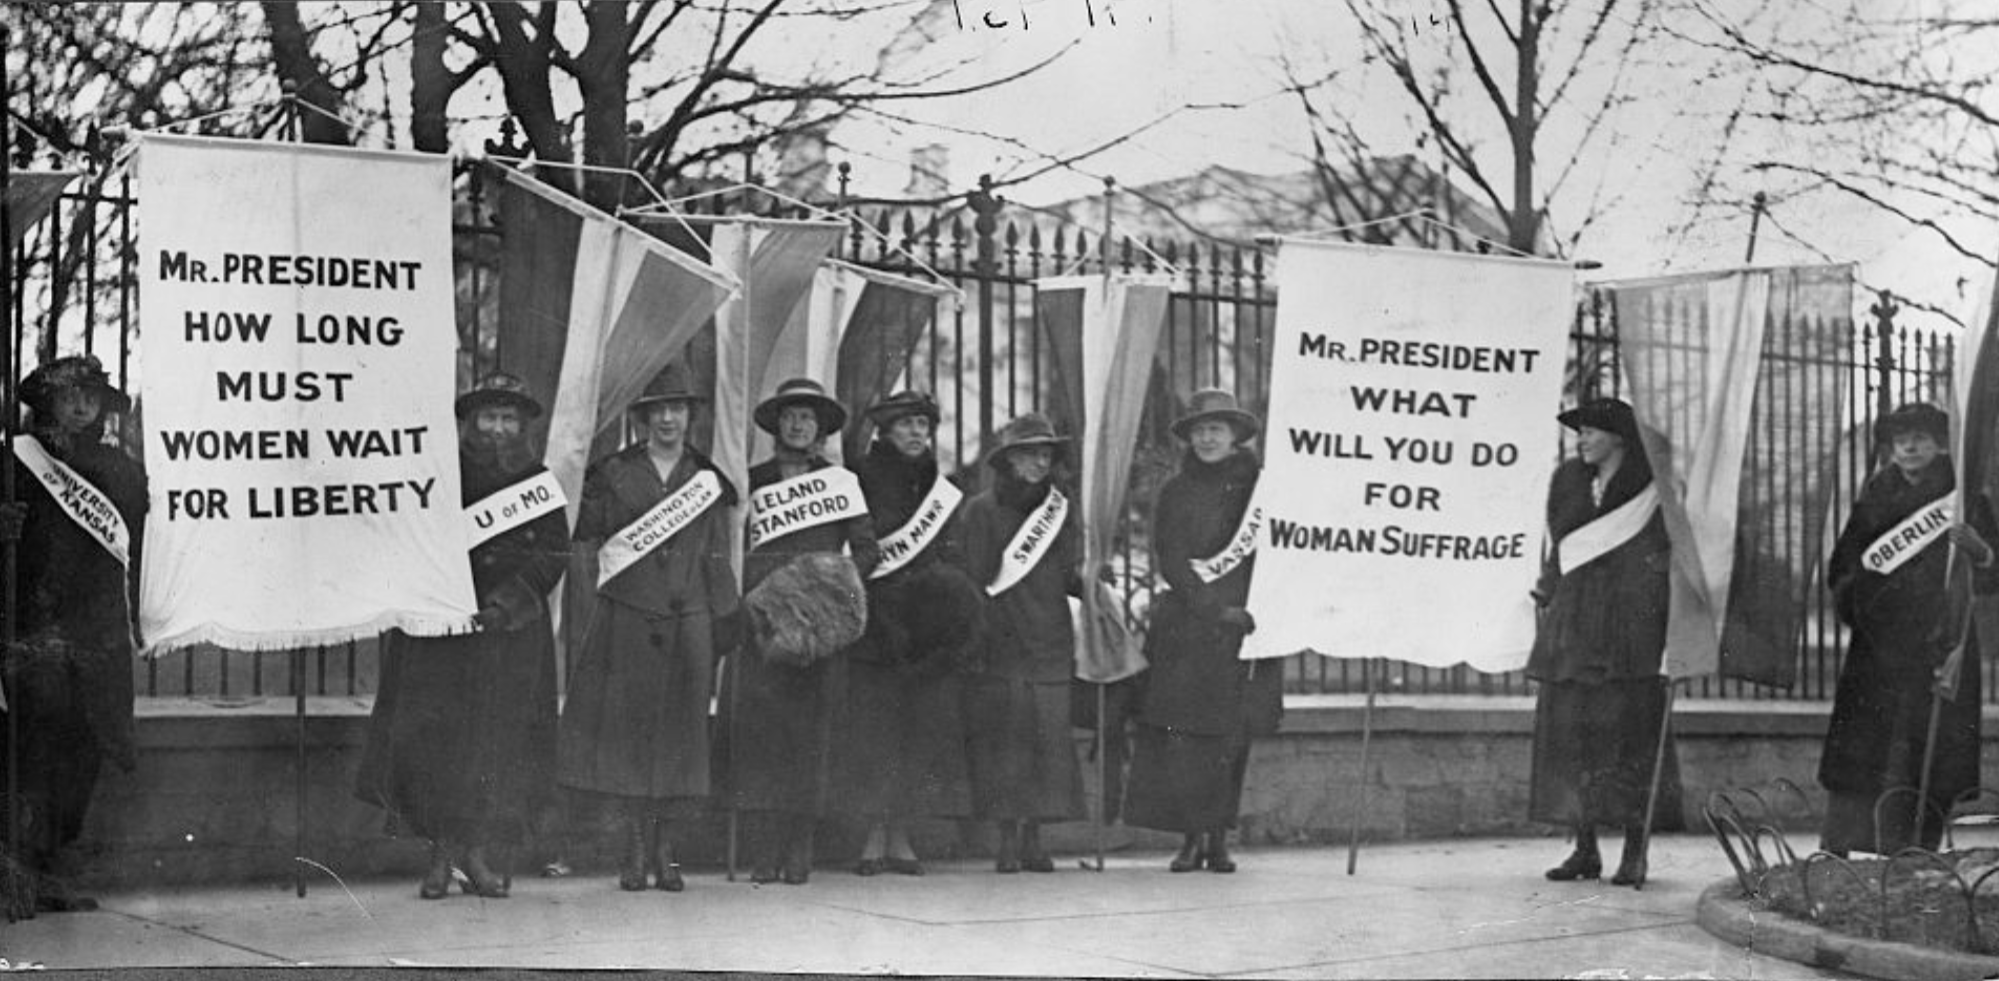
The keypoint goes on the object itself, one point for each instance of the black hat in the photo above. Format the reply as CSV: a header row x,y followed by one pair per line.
x,y
670,385
801,391
1217,403
1920,417
1032,429
1607,414
498,388
904,403
79,371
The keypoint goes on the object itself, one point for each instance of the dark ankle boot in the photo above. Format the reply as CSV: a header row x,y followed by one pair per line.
x,y
632,869
1189,857
480,879
1218,851
1631,867
437,879
666,871
798,851
1007,861
1583,863
1033,857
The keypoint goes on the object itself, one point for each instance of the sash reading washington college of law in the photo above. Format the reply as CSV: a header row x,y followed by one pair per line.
x,y
638,539
898,547
1241,546
83,503
514,505
1908,539
806,501
1607,531
1031,543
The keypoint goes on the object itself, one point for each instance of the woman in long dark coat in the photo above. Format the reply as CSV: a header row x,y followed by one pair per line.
x,y
69,674
1202,706
1902,635
1597,652
461,743
635,728
901,747
778,717
1023,761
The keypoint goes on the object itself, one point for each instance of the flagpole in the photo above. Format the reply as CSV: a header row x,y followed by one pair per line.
x,y
289,132
1090,607
1366,738
1658,766
8,553
736,687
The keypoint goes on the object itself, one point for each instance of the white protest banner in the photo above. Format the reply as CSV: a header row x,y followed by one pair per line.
x,y
298,363
1412,404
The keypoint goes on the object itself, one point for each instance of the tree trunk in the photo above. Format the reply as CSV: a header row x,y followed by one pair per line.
x,y
524,63
1523,224
291,53
430,81
602,72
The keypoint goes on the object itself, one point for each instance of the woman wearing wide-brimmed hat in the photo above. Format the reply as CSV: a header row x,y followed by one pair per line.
x,y
1888,575
635,727
71,669
1023,546
779,699
461,743
1598,646
1202,706
900,749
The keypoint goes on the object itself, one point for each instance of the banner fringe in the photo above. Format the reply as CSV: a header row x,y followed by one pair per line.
x,y
260,642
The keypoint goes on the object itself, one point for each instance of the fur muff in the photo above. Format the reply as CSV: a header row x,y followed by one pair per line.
x,y
808,609
941,611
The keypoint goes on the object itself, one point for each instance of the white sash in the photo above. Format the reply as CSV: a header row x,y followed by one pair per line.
x,y
1240,547
805,501
1591,541
638,539
85,504
514,505
1031,543
1908,539
898,547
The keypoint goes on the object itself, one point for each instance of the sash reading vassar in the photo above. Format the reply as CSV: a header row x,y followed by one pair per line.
x,y
806,501
1240,547
1031,543
1908,539
1607,531
85,504
898,547
514,505
638,539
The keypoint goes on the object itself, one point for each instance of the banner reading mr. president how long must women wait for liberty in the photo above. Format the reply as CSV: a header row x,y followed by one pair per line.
x,y
1410,436
297,363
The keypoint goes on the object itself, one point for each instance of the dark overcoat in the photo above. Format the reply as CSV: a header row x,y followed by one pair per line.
x,y
636,721
461,743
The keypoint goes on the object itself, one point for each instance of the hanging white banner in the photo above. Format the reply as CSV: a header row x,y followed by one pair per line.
x,y
1412,405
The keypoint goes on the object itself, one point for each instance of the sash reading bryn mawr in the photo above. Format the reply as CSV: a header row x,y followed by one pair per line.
x,y
637,540
85,504
898,547
1031,543
1584,545
1908,539
514,505
1241,546
805,501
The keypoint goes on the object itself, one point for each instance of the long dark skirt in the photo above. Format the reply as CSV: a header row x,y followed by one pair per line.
x,y
899,749
1186,782
1023,760
1594,747
1849,824
776,725
636,723
59,756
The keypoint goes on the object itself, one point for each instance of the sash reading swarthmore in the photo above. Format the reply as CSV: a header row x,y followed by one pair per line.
x,y
1908,539
636,540
84,503
1031,543
1584,545
806,501
905,543
1240,547
514,505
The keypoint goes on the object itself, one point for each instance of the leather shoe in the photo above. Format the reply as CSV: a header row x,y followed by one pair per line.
x,y
436,882
1218,854
903,866
763,874
1630,872
670,880
1189,858
868,867
796,875
1037,862
1579,865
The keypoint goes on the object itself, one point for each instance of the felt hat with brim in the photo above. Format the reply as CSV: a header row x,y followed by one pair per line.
x,y
1030,430
670,385
1220,404
904,403
1608,414
498,388
81,371
1913,417
801,391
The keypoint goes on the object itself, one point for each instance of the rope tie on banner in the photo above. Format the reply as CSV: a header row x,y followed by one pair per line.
x,y
1426,215
660,200
846,216
123,157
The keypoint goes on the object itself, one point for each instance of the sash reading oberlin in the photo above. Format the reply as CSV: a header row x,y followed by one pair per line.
x,y
84,503
898,547
1240,547
652,529
1031,543
514,505
805,501
1908,539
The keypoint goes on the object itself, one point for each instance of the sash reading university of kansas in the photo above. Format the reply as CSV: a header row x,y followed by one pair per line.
x,y
85,504
806,501
1031,543
1607,531
898,547
1908,539
1241,546
638,539
514,505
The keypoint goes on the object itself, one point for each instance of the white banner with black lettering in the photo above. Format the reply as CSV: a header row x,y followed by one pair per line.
x,y
297,368
1411,433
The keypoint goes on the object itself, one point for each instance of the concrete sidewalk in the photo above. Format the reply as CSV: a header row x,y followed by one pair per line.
x,y
1471,908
